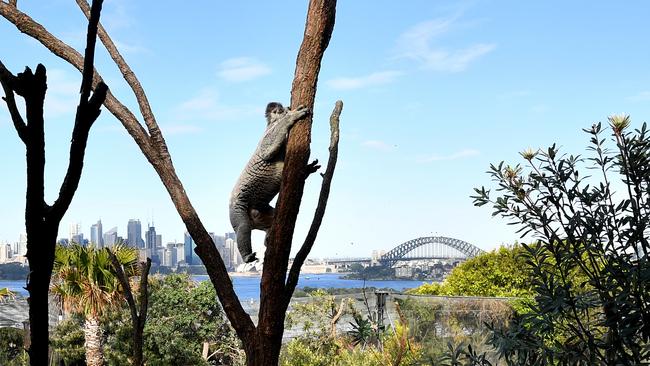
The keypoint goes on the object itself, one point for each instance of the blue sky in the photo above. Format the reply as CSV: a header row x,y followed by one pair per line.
x,y
434,92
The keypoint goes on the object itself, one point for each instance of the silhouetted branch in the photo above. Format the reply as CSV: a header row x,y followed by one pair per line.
x,y
87,113
6,79
301,256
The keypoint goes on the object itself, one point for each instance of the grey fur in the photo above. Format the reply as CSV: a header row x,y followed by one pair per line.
x,y
260,180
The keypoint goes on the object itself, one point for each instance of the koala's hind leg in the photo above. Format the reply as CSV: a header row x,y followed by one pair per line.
x,y
242,224
262,217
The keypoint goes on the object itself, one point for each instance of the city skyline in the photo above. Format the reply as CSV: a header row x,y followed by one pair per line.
x,y
433,92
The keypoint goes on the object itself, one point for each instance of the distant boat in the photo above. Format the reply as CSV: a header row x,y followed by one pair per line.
x,y
307,277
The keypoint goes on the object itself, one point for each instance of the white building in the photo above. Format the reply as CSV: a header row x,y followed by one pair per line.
x,y
5,252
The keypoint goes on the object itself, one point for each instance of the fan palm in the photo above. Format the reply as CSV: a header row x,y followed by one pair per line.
x,y
84,280
5,293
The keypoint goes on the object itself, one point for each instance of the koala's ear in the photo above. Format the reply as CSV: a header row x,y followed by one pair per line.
x,y
271,106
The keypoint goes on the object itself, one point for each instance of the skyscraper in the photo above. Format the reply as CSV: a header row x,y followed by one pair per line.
x,y
188,245
96,236
75,234
21,246
110,237
150,237
134,234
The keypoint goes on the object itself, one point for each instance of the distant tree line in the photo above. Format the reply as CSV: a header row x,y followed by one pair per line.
x,y
13,271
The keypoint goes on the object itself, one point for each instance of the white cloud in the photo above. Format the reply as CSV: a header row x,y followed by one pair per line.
x,y
466,153
116,15
128,48
417,44
643,96
374,79
377,145
179,129
242,69
207,107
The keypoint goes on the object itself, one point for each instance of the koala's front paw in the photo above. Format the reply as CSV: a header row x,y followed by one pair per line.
x,y
302,111
312,167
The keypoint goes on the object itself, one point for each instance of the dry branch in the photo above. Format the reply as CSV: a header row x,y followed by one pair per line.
x,y
138,314
301,256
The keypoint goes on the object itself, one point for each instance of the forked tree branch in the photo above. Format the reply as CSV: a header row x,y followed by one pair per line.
x,y
6,79
301,256
29,26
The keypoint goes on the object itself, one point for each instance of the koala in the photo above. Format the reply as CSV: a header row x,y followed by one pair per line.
x,y
260,180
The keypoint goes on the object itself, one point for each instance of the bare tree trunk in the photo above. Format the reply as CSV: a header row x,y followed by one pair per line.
x,y
273,305
138,313
42,220
93,342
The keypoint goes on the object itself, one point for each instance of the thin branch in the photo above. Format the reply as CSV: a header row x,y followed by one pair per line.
x,y
6,79
29,26
126,286
128,74
87,113
301,256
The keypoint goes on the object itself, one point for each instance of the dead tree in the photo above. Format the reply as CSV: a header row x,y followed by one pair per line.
x,y
42,220
138,311
262,343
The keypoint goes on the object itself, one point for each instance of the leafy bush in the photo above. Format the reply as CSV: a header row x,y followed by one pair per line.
x,y
11,347
590,263
68,341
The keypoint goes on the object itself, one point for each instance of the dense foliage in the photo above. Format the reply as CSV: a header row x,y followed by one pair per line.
x,y
182,316
590,269
12,352
501,273
367,343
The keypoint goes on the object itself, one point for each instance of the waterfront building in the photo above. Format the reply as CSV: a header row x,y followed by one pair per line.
x,y
188,246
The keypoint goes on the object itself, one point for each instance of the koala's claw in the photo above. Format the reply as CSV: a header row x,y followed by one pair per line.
x,y
312,167
303,110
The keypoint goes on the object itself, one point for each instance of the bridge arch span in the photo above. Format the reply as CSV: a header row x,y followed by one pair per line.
x,y
394,255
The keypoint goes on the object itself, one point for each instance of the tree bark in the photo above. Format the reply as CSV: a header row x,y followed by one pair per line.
x,y
93,342
273,307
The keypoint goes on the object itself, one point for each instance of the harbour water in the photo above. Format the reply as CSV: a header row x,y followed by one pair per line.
x,y
248,287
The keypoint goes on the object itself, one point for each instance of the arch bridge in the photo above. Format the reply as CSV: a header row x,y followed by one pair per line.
x,y
430,247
